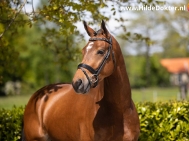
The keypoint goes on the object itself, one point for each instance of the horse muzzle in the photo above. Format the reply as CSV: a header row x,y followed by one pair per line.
x,y
80,87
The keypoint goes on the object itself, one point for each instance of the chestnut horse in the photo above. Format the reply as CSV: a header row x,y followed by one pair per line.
x,y
104,111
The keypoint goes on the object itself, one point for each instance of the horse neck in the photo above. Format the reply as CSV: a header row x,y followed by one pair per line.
x,y
98,92
117,87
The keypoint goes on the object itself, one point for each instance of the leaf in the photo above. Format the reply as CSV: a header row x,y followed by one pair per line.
x,y
113,9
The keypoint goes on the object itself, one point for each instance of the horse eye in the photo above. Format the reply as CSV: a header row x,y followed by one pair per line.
x,y
100,52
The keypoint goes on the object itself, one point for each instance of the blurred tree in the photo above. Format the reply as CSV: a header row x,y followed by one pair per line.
x,y
134,66
56,47
167,31
56,20
143,37
174,46
176,43
10,22
159,75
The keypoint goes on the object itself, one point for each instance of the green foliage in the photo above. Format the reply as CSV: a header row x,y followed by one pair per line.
x,y
66,13
49,47
159,75
159,122
176,47
10,33
9,59
49,41
136,71
53,25
10,124
164,121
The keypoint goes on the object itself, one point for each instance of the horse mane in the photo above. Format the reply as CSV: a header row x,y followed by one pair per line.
x,y
46,90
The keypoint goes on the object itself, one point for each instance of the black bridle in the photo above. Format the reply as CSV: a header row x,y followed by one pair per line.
x,y
93,83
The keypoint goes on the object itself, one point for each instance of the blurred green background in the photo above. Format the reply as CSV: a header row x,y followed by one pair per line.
x,y
41,42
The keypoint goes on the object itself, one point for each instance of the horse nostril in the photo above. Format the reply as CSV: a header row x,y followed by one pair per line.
x,y
77,84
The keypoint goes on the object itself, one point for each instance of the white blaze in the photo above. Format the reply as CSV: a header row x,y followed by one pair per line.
x,y
90,45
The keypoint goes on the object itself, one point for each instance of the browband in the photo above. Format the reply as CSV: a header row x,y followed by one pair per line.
x,y
101,39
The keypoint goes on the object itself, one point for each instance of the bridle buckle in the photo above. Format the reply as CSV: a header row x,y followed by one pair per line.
x,y
94,80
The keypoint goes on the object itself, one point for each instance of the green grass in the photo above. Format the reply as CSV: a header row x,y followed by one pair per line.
x,y
8,102
138,95
155,94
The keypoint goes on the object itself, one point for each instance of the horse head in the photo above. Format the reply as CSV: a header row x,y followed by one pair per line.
x,y
98,60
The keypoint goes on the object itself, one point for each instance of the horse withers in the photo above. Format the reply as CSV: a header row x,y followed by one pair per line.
x,y
96,107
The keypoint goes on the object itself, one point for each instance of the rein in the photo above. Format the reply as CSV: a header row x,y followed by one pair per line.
x,y
96,72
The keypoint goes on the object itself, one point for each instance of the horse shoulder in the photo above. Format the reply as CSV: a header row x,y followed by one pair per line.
x,y
34,111
69,116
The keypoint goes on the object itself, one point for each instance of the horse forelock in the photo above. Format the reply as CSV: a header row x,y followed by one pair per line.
x,y
99,32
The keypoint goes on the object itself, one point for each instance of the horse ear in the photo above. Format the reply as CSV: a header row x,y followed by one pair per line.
x,y
89,30
106,32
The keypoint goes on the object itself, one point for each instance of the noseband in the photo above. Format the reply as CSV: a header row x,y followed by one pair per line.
x,y
93,83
